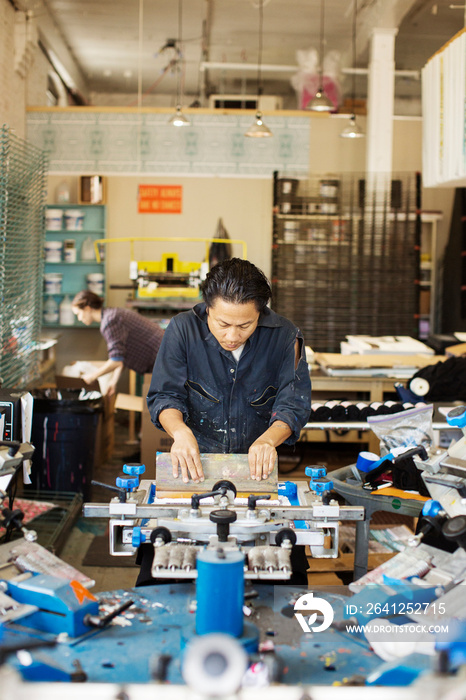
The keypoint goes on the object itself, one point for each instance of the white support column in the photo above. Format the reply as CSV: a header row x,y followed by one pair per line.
x,y
380,101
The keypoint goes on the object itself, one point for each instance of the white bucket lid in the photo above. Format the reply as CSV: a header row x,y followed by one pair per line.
x,y
95,277
52,213
53,245
74,213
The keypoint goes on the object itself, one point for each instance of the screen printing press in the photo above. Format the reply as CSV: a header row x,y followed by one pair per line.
x,y
232,625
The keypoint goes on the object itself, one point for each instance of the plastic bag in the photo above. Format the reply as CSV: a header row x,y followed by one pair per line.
x,y
405,429
306,80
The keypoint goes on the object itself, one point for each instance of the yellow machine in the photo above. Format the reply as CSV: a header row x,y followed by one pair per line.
x,y
170,276
167,277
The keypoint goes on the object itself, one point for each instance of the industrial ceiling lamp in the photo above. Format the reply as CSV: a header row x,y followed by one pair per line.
x,y
179,119
320,102
353,130
258,129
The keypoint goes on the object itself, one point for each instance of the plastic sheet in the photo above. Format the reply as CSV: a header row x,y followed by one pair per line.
x,y
306,80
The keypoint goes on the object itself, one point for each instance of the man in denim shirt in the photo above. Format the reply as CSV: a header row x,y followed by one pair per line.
x,y
231,375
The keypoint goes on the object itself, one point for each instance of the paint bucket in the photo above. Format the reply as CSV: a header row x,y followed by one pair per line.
x,y
53,251
69,251
287,186
53,282
329,188
53,219
74,219
290,231
95,283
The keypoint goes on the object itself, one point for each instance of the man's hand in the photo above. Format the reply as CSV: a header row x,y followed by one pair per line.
x,y
262,453
185,456
261,456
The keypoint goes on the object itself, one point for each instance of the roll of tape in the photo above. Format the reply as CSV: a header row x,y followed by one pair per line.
x,y
419,386
366,461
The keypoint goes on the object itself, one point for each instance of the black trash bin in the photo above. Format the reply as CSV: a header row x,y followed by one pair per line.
x,y
65,433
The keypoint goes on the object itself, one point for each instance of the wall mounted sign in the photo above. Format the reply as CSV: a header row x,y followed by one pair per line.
x,y
160,199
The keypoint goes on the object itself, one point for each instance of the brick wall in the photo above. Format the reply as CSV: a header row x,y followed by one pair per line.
x,y
23,68
12,86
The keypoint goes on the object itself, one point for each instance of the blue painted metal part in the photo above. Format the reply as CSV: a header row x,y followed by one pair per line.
x,y
393,601
134,469
321,486
130,483
453,641
315,472
403,672
63,604
456,417
162,617
431,508
44,670
290,490
138,537
220,592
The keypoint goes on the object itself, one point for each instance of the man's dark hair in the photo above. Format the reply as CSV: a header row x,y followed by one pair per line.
x,y
87,298
237,282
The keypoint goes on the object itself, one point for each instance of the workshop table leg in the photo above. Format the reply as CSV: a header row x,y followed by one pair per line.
x,y
361,552
132,415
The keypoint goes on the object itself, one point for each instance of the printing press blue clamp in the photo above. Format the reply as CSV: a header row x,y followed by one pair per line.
x,y
138,537
320,486
315,472
135,469
62,605
431,508
290,490
129,483
457,417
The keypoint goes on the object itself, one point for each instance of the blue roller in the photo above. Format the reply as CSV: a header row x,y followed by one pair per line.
x,y
220,592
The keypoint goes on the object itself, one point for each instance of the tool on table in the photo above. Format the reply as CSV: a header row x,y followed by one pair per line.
x,y
403,472
12,455
444,473
62,606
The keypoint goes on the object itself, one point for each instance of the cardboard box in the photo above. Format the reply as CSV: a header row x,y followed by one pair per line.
x,y
458,350
152,439
424,301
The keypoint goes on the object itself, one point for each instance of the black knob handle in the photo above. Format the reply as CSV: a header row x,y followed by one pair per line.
x,y
454,529
223,518
252,500
121,492
13,446
13,518
419,450
196,497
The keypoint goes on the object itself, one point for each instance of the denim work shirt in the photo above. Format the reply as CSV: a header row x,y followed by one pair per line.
x,y
229,404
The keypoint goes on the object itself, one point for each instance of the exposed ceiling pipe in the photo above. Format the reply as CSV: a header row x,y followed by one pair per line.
x,y
275,68
204,87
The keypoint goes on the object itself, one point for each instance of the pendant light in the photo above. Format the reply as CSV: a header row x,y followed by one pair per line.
x,y
320,102
179,119
258,129
353,130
